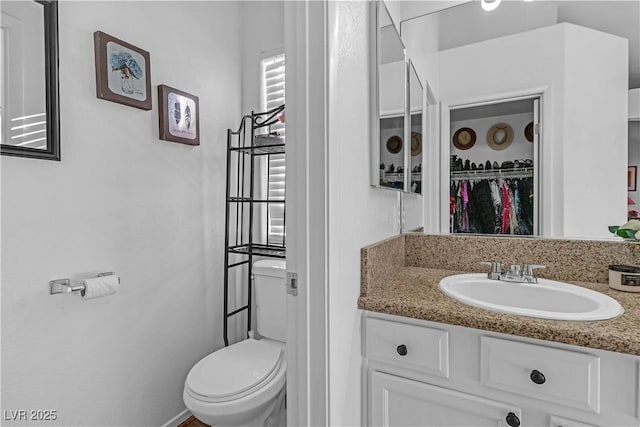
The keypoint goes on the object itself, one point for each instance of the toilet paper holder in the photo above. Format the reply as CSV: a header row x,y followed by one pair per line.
x,y
62,286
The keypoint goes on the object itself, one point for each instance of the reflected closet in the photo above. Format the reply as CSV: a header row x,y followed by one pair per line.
x,y
493,169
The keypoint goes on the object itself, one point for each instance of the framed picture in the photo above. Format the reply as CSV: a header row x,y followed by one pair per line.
x,y
632,173
123,72
179,116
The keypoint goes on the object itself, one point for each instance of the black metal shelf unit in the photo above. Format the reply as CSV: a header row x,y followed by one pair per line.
x,y
246,148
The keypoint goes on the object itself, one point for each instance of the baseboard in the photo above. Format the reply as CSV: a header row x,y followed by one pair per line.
x,y
178,419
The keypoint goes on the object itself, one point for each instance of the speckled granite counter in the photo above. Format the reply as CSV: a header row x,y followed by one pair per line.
x,y
392,286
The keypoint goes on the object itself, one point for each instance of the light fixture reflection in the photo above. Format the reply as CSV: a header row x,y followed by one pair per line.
x,y
490,5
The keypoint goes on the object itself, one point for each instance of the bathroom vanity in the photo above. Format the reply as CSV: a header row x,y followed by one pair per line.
x,y
434,374
430,360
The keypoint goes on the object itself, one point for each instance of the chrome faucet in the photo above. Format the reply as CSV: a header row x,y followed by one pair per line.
x,y
515,272
496,269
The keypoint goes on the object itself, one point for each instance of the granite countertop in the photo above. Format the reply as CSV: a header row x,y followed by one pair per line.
x,y
413,292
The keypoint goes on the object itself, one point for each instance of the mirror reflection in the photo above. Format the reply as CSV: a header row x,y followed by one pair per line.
x,y
391,104
538,92
28,79
416,94
492,185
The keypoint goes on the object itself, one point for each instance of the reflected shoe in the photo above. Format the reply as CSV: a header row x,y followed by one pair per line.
x,y
507,165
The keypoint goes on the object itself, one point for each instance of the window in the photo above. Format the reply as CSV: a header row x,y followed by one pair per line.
x,y
272,72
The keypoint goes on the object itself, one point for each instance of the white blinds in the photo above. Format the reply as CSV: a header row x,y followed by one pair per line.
x,y
273,96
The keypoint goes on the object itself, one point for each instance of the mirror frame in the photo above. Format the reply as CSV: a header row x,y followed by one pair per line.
x,y
52,152
411,70
375,102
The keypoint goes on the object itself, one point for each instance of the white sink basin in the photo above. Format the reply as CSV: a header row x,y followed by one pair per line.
x,y
546,299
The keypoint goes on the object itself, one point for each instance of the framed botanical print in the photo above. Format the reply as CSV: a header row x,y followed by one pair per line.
x,y
632,172
123,72
179,116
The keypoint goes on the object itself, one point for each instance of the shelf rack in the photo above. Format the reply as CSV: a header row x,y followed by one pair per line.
x,y
252,141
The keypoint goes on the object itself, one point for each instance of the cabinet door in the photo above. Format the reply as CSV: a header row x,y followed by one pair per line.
x,y
396,401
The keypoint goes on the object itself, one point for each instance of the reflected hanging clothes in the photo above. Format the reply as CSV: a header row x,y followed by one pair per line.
x,y
506,208
492,206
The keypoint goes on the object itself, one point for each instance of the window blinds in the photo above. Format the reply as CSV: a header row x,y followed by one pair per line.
x,y
273,73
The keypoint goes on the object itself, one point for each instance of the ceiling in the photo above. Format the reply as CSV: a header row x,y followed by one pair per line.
x,y
467,23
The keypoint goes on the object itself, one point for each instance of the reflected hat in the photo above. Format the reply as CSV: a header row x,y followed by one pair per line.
x,y
394,144
500,136
416,143
528,132
464,138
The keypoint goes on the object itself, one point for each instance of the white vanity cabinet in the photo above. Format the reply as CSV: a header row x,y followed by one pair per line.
x,y
398,401
420,373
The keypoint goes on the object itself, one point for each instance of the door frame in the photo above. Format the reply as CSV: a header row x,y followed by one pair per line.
x,y
307,205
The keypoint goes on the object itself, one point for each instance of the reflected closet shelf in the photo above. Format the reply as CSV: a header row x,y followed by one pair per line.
x,y
492,174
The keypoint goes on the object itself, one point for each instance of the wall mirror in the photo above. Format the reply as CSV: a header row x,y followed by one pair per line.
x,y
389,148
29,106
545,58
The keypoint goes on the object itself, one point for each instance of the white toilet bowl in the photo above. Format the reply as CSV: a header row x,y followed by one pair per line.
x,y
239,385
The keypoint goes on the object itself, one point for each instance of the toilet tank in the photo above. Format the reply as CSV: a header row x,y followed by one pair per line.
x,y
271,298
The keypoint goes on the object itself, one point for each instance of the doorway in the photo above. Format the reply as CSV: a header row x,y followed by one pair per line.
x,y
493,169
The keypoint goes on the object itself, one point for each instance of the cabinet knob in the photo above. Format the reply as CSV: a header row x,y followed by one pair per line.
x,y
513,420
537,377
402,350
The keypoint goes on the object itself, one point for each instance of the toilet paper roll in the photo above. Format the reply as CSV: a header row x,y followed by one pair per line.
x,y
97,287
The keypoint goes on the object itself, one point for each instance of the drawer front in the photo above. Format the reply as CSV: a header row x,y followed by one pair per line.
x,y
408,346
395,401
559,376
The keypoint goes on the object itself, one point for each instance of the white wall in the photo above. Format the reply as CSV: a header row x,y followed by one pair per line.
x,y
595,178
121,200
358,213
263,33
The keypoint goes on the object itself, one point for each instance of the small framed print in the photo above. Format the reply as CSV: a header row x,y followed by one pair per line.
x,y
123,72
632,172
179,116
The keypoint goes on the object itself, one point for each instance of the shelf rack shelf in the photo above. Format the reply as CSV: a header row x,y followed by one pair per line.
x,y
254,142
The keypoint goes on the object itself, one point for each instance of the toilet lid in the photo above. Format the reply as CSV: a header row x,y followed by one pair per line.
x,y
234,369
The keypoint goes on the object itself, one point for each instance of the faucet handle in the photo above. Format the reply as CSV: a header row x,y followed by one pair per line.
x,y
496,269
527,269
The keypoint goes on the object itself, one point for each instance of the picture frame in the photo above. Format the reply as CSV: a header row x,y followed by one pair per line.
x,y
123,72
632,174
179,116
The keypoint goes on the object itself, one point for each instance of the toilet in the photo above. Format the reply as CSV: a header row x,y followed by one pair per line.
x,y
244,384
